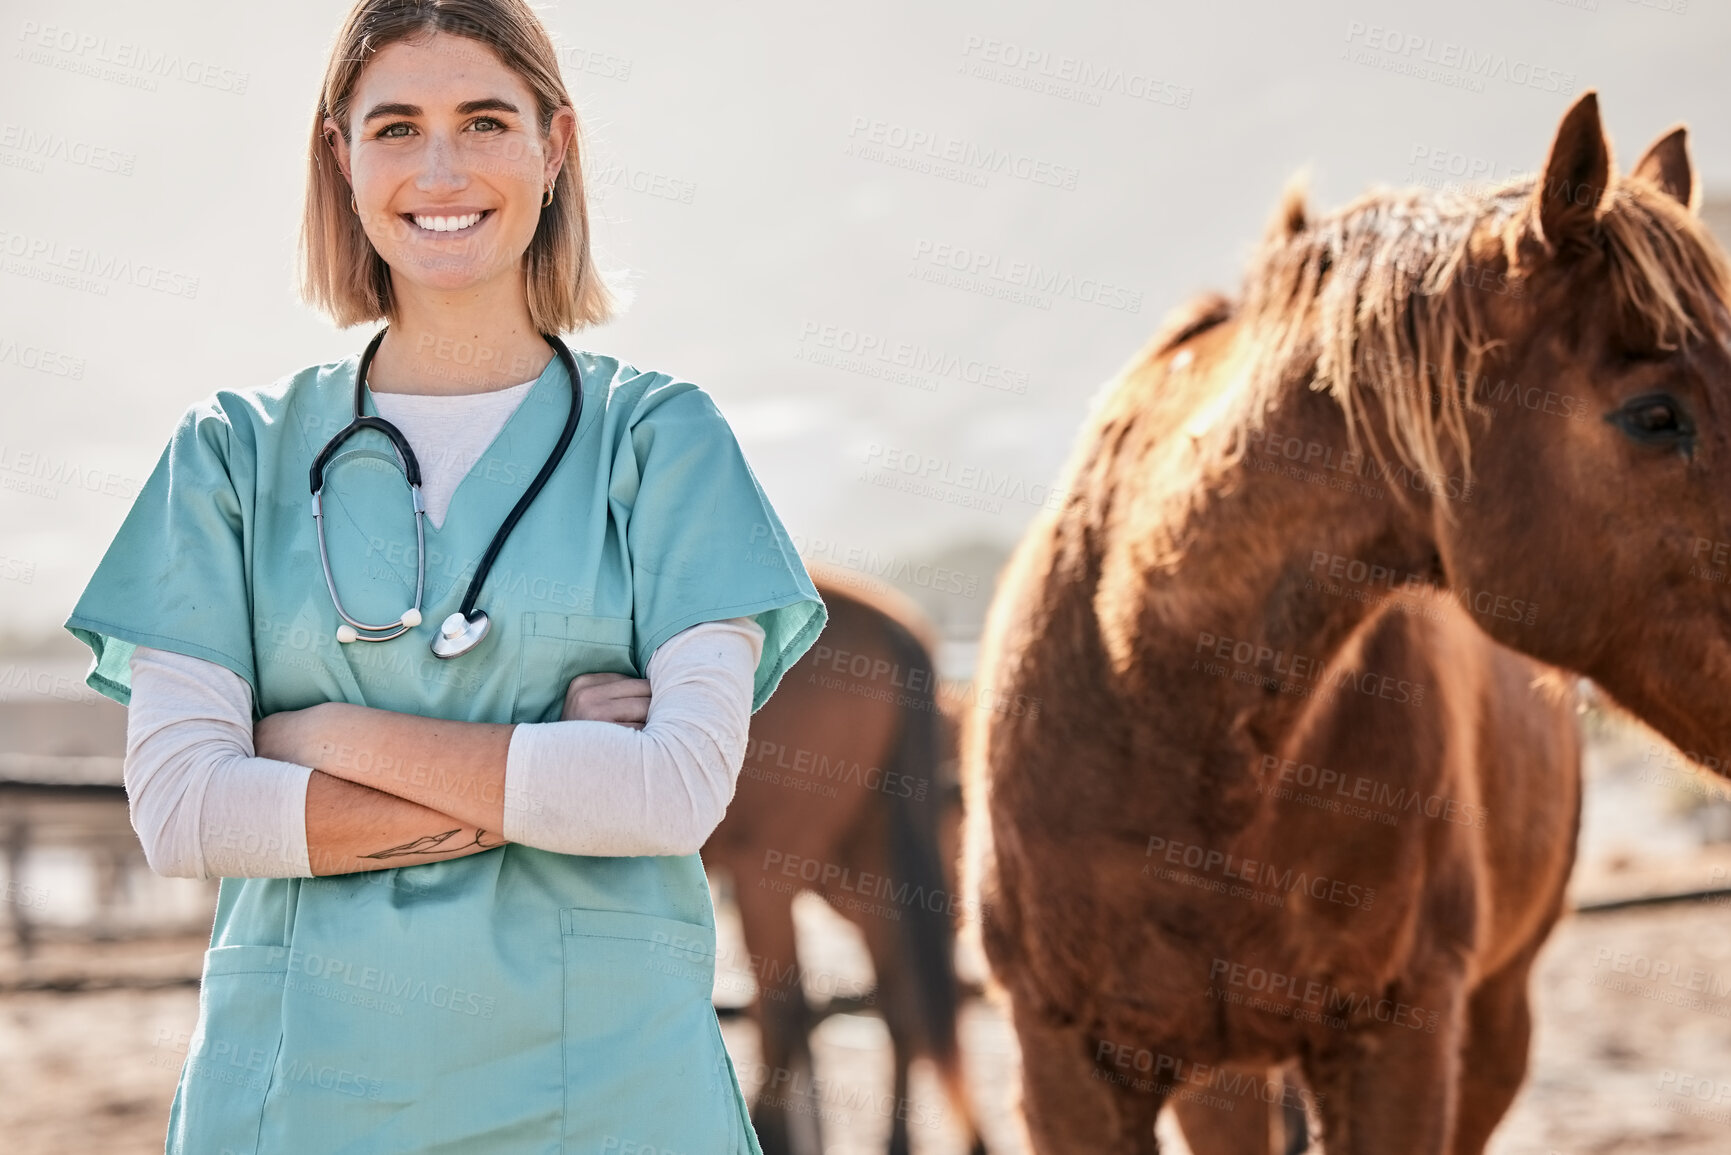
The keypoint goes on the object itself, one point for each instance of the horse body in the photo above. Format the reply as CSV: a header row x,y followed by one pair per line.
x,y
1291,795
1135,944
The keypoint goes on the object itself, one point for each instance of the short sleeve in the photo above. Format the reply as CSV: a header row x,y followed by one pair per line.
x,y
704,542
175,576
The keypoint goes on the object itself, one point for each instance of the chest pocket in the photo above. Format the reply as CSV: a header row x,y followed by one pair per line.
x,y
555,648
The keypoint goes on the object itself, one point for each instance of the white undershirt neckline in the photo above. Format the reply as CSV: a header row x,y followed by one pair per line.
x,y
456,428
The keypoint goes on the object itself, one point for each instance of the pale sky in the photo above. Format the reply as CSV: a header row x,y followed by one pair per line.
x,y
785,184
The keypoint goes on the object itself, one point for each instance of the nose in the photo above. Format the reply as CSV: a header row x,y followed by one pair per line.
x,y
442,168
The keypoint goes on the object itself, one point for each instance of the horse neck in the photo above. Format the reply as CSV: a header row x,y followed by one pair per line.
x,y
1249,594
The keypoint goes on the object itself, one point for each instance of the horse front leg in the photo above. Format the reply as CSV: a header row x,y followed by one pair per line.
x,y
1073,1102
1391,1087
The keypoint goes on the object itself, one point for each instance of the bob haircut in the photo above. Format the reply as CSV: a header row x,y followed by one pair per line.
x,y
341,273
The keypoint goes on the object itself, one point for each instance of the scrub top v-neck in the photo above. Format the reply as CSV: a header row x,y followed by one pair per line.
x,y
514,999
449,433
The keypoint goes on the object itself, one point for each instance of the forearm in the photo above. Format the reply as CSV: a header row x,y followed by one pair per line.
x,y
454,768
352,828
202,804
205,805
571,787
596,788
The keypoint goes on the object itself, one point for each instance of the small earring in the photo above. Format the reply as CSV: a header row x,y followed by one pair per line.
x,y
353,205
549,199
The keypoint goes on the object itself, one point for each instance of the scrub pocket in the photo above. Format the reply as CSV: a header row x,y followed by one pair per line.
x,y
232,1054
645,1069
558,647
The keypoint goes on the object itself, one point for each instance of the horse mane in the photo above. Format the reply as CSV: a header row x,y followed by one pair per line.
x,y
1370,302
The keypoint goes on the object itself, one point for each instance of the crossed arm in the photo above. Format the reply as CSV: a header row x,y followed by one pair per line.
x,y
391,789
335,788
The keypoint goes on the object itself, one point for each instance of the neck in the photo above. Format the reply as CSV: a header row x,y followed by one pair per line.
x,y
1284,564
475,340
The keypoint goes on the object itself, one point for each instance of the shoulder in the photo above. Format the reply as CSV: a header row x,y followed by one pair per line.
x,y
237,420
636,393
640,401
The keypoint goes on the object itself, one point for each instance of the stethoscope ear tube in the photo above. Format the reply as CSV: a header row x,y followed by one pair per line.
x,y
547,468
411,467
463,630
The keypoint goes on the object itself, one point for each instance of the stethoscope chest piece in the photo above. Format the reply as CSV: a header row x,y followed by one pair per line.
x,y
458,635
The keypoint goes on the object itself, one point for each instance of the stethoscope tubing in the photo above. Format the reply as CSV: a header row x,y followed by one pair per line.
x,y
412,470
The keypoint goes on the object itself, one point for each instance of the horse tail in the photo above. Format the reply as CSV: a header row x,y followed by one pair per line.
x,y
927,934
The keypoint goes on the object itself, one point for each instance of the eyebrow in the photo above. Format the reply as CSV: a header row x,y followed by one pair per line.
x,y
486,104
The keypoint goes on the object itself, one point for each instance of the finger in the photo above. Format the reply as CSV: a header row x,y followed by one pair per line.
x,y
589,705
606,686
632,710
625,688
605,678
620,710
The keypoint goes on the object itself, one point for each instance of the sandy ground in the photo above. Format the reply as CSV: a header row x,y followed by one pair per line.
x,y
1621,1061
1631,1052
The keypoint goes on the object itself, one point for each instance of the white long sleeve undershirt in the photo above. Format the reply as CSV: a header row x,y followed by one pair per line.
x,y
204,806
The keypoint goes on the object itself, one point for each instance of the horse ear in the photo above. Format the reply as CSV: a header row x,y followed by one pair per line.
x,y
1666,164
1290,218
1576,174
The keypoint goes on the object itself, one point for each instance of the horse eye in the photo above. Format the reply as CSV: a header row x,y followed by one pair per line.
x,y
1653,418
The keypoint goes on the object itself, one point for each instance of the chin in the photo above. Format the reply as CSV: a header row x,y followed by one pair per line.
x,y
440,277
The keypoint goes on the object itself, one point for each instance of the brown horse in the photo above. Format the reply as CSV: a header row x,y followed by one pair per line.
x,y
1298,791
841,793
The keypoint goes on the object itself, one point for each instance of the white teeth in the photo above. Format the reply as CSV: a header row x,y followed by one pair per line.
x,y
447,224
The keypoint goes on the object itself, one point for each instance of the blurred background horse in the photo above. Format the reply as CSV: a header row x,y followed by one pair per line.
x,y
847,791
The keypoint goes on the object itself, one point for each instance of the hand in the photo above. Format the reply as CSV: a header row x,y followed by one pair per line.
x,y
289,736
607,697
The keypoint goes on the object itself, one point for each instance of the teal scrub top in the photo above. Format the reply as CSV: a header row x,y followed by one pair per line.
x,y
514,999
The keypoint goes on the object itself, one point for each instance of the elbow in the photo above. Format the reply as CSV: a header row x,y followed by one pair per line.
x,y
689,825
162,853
710,785
709,806
155,821
162,861
698,831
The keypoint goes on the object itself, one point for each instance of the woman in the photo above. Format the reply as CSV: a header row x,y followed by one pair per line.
x,y
461,906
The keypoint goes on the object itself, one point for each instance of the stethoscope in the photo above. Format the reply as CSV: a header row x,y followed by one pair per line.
x,y
463,630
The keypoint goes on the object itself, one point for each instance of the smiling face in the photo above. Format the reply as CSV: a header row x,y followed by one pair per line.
x,y
447,162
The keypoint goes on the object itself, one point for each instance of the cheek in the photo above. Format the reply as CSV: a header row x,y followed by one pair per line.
x,y
508,161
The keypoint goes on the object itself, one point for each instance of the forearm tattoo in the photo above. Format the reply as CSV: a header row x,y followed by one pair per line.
x,y
436,844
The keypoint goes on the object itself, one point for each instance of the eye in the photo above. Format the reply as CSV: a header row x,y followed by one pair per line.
x,y
1654,419
497,124
387,133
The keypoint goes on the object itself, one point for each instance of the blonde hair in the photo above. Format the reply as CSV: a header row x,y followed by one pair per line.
x,y
341,273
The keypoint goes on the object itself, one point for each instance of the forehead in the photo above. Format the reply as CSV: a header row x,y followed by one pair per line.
x,y
440,69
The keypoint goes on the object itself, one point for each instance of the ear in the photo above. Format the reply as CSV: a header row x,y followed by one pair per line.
x,y
331,133
561,138
1666,164
1290,217
1575,176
